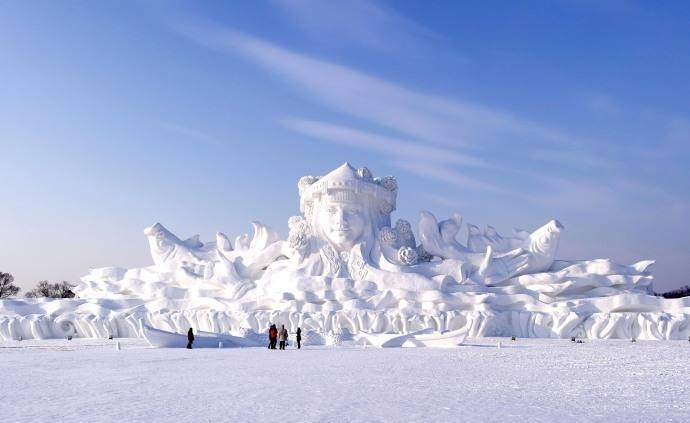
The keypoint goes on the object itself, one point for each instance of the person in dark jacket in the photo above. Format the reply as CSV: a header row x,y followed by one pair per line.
x,y
299,338
190,338
272,337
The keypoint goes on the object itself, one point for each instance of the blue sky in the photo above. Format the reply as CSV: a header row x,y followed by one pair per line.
x,y
203,116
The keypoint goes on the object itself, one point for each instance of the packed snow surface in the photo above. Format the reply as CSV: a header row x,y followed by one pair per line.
x,y
540,380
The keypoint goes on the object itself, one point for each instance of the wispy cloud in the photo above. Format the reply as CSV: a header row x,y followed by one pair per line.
x,y
423,116
423,160
439,134
616,194
381,143
357,22
573,156
443,200
577,194
444,173
190,134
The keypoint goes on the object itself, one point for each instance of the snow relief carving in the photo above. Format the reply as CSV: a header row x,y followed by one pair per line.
x,y
344,266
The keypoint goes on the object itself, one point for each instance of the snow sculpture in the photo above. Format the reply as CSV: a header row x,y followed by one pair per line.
x,y
345,268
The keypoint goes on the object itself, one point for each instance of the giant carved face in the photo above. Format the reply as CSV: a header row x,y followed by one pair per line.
x,y
342,223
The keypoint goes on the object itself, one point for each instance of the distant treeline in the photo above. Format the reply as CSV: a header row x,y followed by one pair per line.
x,y
683,291
43,289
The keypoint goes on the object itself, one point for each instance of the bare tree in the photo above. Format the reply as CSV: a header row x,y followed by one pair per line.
x,y
7,287
65,290
45,289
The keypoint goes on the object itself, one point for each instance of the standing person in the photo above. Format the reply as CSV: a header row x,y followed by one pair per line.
x,y
269,336
299,338
272,337
190,338
282,336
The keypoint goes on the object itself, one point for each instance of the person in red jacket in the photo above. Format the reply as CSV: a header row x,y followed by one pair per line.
x,y
272,337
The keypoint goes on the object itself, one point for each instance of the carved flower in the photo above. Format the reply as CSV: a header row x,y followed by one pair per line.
x,y
390,183
299,233
298,240
407,255
403,227
364,173
405,234
296,222
388,236
344,256
422,254
306,181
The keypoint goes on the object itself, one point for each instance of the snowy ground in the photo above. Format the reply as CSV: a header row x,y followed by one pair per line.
x,y
530,379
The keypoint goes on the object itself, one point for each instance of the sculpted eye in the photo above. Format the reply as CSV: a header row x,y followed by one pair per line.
x,y
331,210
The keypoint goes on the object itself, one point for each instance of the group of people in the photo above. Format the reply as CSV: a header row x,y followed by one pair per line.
x,y
281,337
274,336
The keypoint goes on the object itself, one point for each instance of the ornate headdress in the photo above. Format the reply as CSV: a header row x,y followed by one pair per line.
x,y
347,184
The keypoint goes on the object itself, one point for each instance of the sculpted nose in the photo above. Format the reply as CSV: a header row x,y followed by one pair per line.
x,y
339,215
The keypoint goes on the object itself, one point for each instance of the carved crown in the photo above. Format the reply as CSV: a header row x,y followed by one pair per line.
x,y
348,184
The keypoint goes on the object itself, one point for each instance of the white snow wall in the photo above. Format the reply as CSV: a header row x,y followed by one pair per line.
x,y
626,325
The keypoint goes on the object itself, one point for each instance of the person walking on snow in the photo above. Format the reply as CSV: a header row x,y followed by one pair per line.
x,y
282,336
299,338
272,337
190,338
